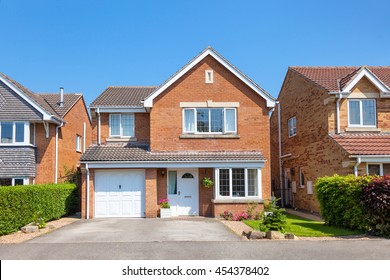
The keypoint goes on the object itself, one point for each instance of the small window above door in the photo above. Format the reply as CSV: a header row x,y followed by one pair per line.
x,y
187,176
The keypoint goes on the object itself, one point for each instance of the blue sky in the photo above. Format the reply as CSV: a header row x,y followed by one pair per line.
x,y
87,45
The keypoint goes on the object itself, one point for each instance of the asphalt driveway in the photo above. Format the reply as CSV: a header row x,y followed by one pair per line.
x,y
140,230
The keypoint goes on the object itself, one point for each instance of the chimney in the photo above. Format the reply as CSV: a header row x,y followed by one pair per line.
x,y
61,97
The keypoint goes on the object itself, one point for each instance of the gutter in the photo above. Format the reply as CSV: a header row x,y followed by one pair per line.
x,y
56,163
355,168
280,155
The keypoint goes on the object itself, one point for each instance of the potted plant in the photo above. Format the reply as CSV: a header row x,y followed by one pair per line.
x,y
165,210
207,182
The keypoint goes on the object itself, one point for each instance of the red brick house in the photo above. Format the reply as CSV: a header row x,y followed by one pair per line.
x,y
150,143
41,135
332,120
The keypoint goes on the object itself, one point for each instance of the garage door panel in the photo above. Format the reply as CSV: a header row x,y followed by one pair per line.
x,y
124,201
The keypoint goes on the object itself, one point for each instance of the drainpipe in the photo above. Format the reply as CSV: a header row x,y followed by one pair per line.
x,y
56,165
98,115
84,134
280,156
355,168
338,113
87,169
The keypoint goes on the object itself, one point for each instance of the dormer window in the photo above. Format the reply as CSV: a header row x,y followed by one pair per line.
x,y
362,113
121,125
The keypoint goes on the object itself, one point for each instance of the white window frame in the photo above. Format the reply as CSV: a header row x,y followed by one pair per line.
x,y
259,185
209,76
361,113
25,180
26,133
301,179
120,135
380,167
78,143
293,127
224,131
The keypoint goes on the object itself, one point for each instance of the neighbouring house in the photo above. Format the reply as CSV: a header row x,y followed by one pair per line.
x,y
42,136
332,120
151,143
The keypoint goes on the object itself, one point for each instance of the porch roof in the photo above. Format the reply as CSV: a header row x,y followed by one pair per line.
x,y
125,152
364,143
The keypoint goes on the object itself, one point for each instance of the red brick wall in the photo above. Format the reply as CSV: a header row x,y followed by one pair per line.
x,y
84,193
45,154
235,208
151,192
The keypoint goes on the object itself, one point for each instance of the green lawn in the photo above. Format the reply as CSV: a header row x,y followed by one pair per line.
x,y
305,227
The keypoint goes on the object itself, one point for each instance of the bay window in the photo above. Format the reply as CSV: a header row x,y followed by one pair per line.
x,y
238,183
362,112
210,120
122,125
14,132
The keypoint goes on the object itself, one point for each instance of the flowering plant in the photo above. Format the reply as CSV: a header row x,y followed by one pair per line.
x,y
207,182
164,203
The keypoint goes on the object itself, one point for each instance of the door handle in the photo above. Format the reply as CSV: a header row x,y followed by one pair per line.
x,y
178,192
120,187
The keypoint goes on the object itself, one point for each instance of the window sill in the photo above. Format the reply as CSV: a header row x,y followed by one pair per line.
x,y
237,200
209,136
362,129
123,139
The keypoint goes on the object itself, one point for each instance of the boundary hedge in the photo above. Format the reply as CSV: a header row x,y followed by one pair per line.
x,y
20,205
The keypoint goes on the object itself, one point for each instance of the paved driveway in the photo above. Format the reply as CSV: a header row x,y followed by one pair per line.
x,y
140,230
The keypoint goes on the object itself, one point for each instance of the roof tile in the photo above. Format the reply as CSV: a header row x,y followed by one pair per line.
x,y
364,143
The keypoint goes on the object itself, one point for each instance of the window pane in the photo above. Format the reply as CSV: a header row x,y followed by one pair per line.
x,y
292,126
189,120
374,169
6,132
224,182
386,169
368,112
128,125
238,176
354,112
230,120
115,124
202,116
172,182
19,182
252,182
19,130
216,120
5,182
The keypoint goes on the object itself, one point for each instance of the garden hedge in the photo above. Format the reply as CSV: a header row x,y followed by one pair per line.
x,y
20,205
341,200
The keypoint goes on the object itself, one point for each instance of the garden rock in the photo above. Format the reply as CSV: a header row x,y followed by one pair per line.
x,y
291,236
30,228
257,235
274,235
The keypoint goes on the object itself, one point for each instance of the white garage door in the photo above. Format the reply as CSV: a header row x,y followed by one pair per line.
x,y
119,193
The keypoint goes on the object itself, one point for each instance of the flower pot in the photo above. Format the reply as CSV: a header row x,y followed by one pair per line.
x,y
165,212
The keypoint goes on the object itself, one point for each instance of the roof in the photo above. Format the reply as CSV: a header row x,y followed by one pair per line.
x,y
120,96
210,51
364,143
123,152
48,102
53,99
335,78
17,161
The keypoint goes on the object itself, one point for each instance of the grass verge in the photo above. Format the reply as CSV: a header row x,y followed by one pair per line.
x,y
308,228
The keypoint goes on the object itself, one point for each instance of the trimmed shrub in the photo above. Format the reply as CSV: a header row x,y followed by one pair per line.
x,y
377,204
273,217
341,200
20,205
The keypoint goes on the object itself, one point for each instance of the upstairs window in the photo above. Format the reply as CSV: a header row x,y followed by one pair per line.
x,y
362,112
122,125
292,127
210,120
14,132
78,143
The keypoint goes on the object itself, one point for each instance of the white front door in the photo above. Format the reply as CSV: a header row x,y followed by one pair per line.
x,y
119,193
183,192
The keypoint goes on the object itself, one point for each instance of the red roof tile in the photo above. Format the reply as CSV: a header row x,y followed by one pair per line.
x,y
332,78
364,144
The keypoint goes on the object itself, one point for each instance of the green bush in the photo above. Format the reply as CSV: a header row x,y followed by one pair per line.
x,y
341,200
273,217
377,204
19,205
